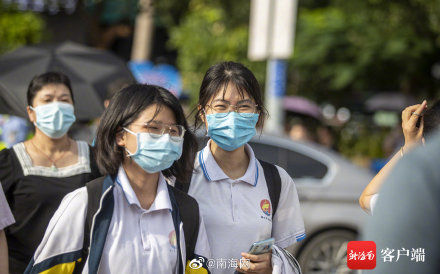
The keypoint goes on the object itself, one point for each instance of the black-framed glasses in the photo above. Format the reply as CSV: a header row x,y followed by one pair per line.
x,y
224,107
158,129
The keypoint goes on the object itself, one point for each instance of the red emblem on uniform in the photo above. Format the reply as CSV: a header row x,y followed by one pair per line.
x,y
265,206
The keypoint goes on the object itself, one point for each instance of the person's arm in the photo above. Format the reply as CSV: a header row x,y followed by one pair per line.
x,y
407,214
6,219
61,247
4,266
413,137
376,183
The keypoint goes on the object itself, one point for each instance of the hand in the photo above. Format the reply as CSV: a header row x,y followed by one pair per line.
x,y
410,115
261,264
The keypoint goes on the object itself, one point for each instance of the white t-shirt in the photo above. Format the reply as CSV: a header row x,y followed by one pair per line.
x,y
373,201
238,212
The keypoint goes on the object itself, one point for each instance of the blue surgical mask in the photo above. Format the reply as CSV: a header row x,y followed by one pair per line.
x,y
232,131
54,119
154,154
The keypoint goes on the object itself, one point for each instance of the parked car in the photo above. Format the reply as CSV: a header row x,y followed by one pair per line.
x,y
328,188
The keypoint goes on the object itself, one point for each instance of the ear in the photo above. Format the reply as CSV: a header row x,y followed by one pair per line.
x,y
106,103
201,114
31,114
120,138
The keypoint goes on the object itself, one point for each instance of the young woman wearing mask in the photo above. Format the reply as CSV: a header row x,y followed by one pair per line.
x,y
140,223
36,174
229,183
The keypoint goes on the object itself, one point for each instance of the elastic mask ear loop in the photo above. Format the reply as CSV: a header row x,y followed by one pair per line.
x,y
206,122
33,109
137,142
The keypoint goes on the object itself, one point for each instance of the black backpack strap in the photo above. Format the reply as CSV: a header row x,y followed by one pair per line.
x,y
189,214
93,165
184,187
273,181
94,193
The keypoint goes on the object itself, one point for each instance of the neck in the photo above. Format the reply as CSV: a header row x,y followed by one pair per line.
x,y
144,184
46,143
231,162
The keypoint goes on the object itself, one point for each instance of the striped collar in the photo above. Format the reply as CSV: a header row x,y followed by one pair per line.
x,y
213,172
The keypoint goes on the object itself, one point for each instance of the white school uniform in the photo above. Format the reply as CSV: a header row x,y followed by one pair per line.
x,y
238,212
138,240
147,236
373,201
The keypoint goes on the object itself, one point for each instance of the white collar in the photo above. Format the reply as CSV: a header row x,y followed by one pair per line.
x,y
161,201
213,172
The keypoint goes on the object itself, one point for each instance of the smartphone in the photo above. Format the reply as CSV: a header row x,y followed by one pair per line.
x,y
262,246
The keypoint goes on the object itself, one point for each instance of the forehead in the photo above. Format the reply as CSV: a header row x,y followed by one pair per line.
x,y
157,113
231,93
53,90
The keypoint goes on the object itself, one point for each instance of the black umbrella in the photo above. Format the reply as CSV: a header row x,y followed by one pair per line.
x,y
90,70
5,103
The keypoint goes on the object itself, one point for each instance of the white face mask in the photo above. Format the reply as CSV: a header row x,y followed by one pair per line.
x,y
155,154
54,119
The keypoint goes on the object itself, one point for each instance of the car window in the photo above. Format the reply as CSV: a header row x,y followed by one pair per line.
x,y
297,164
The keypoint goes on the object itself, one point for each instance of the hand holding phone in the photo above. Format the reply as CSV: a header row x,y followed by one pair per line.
x,y
262,247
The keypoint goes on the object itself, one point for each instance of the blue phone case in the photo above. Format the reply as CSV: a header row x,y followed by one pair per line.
x,y
261,246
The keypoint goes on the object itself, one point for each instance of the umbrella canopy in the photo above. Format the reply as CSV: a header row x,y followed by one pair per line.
x,y
301,105
5,107
164,75
389,101
90,71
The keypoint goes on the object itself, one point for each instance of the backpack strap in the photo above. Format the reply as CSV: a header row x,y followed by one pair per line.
x,y
184,187
189,214
94,193
93,166
273,182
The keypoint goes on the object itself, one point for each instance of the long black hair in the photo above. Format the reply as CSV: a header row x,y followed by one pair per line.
x,y
124,108
431,119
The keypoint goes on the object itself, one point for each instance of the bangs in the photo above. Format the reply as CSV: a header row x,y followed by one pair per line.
x,y
240,89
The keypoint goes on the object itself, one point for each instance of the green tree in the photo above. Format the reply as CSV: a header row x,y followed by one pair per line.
x,y
341,47
355,46
210,32
18,28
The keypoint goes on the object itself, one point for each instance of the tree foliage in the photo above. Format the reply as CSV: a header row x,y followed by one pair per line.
x,y
341,47
210,32
18,28
367,45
